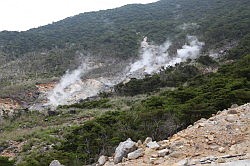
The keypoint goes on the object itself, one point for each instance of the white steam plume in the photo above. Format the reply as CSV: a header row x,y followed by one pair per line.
x,y
72,87
154,57
63,89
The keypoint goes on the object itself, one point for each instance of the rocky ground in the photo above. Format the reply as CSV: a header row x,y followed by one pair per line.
x,y
223,139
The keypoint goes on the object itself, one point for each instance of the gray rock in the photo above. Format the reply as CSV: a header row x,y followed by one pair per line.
x,y
102,160
159,161
147,140
163,152
221,160
55,163
135,154
232,111
139,143
234,163
183,162
176,154
221,149
231,118
123,149
234,105
153,145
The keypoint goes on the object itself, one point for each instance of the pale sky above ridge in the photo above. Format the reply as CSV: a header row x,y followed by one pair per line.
x,y
20,15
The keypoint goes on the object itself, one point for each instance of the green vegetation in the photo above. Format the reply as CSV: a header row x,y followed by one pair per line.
x,y
170,77
5,161
102,103
157,106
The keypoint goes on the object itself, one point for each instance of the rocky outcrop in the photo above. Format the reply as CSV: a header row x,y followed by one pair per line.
x,y
223,139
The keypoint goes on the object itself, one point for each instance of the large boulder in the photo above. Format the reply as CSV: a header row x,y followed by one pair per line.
x,y
123,149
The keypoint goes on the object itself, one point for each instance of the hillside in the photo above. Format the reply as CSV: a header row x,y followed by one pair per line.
x,y
73,90
113,37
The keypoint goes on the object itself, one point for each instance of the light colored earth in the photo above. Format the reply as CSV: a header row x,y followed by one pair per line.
x,y
223,139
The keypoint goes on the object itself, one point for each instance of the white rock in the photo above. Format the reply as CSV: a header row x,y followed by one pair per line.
x,y
102,160
183,162
135,154
55,163
231,118
147,140
123,149
139,143
153,145
221,150
163,152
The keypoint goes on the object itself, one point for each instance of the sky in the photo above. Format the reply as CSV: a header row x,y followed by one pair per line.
x,y
21,15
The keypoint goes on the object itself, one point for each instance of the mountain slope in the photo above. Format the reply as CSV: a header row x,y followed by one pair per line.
x,y
45,53
159,105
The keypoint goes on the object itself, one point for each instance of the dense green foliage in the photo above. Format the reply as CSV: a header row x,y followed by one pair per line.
x,y
5,161
102,103
170,77
116,30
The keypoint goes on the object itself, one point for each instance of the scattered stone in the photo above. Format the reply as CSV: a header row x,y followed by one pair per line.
x,y
154,155
183,162
135,154
232,148
202,120
152,159
123,149
221,150
210,137
201,125
159,161
234,105
55,163
211,119
153,145
236,163
162,153
221,160
111,159
218,113
102,160
231,118
139,143
165,146
147,140
176,154
124,159
232,111
146,160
